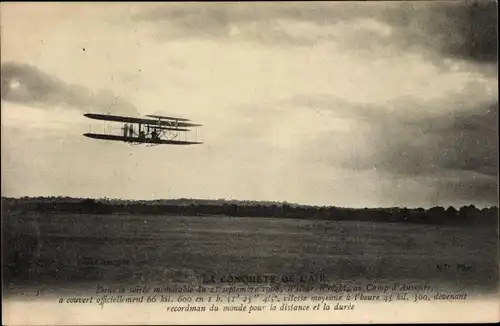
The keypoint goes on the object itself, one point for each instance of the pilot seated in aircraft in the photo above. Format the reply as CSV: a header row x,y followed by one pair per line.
x,y
154,134
125,130
142,135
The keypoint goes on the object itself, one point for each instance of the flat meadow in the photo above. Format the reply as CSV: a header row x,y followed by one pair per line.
x,y
79,251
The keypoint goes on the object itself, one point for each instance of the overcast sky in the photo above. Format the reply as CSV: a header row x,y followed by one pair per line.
x,y
347,104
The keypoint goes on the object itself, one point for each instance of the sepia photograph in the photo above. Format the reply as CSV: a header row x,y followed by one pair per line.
x,y
249,162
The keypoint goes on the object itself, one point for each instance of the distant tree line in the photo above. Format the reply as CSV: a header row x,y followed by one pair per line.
x,y
468,215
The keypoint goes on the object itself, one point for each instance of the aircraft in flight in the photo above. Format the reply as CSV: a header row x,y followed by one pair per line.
x,y
153,130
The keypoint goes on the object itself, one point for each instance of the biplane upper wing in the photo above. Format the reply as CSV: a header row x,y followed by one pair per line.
x,y
117,118
156,122
135,140
166,118
173,120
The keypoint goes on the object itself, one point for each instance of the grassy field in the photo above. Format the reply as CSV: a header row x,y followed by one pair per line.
x,y
80,251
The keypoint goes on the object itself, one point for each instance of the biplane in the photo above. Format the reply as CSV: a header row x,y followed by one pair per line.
x,y
153,130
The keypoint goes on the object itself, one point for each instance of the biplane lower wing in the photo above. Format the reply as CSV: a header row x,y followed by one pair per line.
x,y
140,140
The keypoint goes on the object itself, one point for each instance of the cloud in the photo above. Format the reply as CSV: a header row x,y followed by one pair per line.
x,y
451,146
460,30
265,23
465,186
26,84
464,142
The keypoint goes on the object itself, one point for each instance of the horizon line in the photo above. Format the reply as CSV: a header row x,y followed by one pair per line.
x,y
247,200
